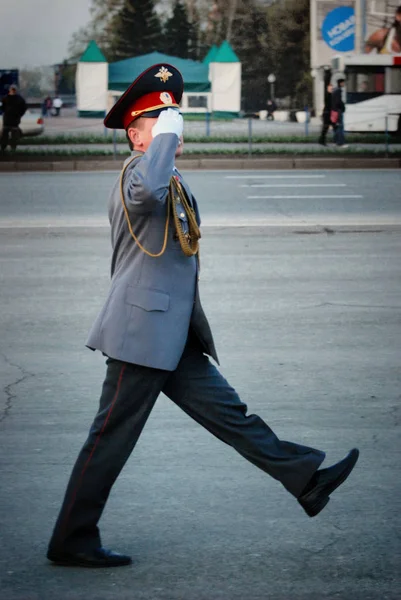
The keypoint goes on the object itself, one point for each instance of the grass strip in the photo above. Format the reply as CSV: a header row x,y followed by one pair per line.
x,y
50,140
353,151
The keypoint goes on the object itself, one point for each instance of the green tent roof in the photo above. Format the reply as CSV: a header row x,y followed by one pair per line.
x,y
225,54
210,55
93,53
124,72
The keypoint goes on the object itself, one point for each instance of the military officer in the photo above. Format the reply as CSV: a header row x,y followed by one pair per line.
x,y
156,337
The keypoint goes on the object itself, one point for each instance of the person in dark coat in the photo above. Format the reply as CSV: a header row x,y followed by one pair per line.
x,y
326,115
156,336
271,109
13,107
338,108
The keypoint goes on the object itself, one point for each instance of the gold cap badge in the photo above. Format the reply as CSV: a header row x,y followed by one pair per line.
x,y
164,74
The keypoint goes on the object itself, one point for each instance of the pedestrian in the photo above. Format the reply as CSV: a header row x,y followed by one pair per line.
x,y
271,109
13,107
156,337
57,104
326,115
47,106
337,114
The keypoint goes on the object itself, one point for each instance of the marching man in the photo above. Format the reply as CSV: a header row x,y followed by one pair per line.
x,y
156,337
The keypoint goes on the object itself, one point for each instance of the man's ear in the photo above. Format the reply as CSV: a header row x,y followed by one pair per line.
x,y
135,136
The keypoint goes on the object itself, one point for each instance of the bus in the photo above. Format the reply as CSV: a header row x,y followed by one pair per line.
x,y
372,91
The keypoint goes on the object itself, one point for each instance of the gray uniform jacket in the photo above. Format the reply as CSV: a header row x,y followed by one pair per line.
x,y
152,301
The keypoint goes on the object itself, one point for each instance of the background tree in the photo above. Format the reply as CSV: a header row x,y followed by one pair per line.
x,y
66,78
289,49
30,83
98,29
177,32
135,29
271,39
249,39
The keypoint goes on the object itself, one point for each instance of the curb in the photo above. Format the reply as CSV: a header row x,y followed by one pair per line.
x,y
285,162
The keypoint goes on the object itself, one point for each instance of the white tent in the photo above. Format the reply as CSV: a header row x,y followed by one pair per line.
x,y
92,82
225,78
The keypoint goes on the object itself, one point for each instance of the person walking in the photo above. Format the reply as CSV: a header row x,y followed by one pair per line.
x,y
337,114
326,115
156,337
13,107
271,109
57,104
47,106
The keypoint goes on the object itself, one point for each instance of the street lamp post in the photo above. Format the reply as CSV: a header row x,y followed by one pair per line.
x,y
272,80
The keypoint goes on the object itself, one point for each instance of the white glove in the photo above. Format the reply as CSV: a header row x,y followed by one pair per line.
x,y
169,121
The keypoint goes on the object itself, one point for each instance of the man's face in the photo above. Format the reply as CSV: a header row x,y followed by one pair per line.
x,y
141,136
398,16
329,88
12,91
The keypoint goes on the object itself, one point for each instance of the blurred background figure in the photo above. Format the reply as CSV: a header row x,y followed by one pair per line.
x,y
13,107
271,108
338,108
47,106
326,115
57,104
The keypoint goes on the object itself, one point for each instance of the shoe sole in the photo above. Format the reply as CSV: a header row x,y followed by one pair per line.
x,y
76,563
316,508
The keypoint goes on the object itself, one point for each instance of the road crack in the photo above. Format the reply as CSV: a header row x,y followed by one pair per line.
x,y
9,390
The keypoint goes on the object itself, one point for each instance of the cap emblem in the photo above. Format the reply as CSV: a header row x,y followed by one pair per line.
x,y
163,74
166,98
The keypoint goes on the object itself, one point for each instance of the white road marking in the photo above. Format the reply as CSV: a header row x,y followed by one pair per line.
x,y
297,185
298,197
275,176
54,221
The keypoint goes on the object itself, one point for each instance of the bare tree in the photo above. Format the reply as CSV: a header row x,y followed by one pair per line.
x,y
232,9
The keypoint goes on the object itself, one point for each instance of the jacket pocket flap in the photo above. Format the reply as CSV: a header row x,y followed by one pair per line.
x,y
147,299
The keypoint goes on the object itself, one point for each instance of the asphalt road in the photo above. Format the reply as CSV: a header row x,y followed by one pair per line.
x,y
243,147
301,282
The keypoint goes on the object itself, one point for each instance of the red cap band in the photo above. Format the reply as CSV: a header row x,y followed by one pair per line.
x,y
147,103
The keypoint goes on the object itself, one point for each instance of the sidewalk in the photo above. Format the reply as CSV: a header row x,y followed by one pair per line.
x,y
291,148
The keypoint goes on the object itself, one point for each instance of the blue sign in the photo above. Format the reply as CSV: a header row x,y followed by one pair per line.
x,y
338,29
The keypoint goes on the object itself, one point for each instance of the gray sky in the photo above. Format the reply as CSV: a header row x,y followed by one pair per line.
x,y
36,32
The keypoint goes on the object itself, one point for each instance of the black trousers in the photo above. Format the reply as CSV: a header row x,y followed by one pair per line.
x,y
325,128
128,396
10,136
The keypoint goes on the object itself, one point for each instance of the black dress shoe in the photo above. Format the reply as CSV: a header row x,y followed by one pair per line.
x,y
317,493
100,557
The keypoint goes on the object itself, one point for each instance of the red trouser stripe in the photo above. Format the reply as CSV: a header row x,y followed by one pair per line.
x,y
74,494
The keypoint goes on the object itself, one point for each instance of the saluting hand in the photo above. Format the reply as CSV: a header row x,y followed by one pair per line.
x,y
169,121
